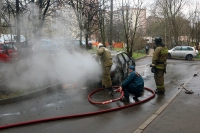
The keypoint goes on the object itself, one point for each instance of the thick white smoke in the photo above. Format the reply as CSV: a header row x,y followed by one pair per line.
x,y
45,69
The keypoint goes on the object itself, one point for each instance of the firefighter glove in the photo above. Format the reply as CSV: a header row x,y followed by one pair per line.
x,y
153,69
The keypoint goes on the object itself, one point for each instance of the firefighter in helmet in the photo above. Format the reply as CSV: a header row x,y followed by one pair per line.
x,y
133,84
106,62
159,63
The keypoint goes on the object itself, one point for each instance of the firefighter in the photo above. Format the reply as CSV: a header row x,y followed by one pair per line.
x,y
106,62
159,63
133,84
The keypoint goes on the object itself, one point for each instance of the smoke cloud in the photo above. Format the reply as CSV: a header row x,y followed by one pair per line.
x,y
44,69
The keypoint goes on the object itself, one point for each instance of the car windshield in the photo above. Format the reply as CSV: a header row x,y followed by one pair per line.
x,y
8,46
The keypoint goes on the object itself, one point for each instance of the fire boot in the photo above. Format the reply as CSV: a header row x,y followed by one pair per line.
x,y
159,92
102,86
110,91
135,98
125,99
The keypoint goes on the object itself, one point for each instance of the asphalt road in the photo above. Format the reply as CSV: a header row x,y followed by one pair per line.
x,y
67,102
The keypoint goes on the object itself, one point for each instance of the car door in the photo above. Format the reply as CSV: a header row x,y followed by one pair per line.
x,y
128,62
122,63
176,52
184,51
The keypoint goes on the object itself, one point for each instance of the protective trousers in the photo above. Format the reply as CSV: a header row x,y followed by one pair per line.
x,y
136,91
159,79
106,79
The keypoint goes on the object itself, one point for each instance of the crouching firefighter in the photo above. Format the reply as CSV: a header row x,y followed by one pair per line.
x,y
133,84
159,63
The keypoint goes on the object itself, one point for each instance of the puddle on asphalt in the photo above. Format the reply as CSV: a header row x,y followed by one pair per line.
x,y
144,71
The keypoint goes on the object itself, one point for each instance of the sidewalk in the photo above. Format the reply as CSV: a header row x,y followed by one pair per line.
x,y
150,52
180,114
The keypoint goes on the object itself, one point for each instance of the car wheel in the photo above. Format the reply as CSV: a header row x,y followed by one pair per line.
x,y
189,57
169,56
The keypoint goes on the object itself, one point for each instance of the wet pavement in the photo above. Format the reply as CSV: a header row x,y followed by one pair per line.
x,y
173,112
180,114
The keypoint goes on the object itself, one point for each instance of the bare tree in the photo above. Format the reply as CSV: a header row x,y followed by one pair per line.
x,y
195,26
103,21
169,13
86,14
40,12
133,23
91,22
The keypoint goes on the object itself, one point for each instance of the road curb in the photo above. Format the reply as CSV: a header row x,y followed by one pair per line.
x,y
142,127
39,92
141,57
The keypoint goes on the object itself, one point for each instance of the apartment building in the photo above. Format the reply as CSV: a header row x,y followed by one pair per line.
x,y
136,17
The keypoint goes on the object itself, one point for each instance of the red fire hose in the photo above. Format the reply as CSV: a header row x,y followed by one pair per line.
x,y
78,115
105,102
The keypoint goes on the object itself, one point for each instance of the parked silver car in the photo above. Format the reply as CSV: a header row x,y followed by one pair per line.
x,y
186,52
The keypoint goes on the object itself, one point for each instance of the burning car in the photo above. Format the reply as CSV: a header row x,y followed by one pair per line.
x,y
121,63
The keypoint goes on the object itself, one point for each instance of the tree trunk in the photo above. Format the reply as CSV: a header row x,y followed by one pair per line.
x,y
18,23
111,24
0,16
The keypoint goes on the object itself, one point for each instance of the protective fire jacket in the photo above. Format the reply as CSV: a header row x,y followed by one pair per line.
x,y
159,59
134,80
105,56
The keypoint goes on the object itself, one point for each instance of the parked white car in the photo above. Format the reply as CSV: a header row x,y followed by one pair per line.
x,y
186,52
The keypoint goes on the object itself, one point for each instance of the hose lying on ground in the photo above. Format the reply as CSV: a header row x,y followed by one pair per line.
x,y
78,115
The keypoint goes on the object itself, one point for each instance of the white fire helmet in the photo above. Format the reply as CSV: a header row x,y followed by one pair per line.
x,y
100,45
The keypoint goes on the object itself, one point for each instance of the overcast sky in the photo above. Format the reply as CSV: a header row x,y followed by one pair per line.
x,y
150,4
